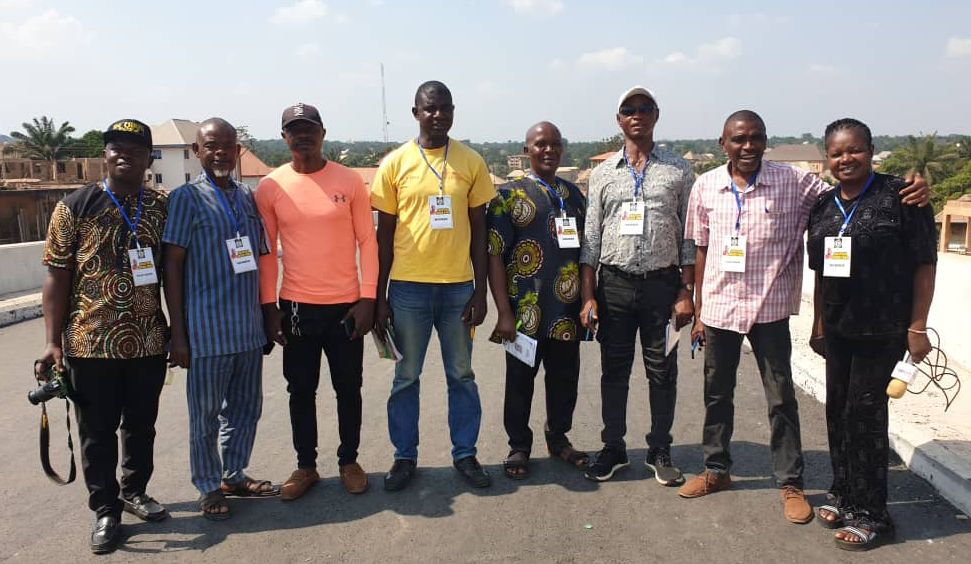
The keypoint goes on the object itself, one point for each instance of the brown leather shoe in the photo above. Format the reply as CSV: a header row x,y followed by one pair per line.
x,y
298,483
707,482
354,478
796,508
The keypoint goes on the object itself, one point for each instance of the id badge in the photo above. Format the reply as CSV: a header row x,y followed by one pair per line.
x,y
733,254
440,210
632,218
567,235
836,258
142,266
241,254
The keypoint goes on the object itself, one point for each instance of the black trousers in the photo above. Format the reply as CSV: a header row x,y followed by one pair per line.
x,y
857,374
625,306
108,393
312,329
772,347
561,362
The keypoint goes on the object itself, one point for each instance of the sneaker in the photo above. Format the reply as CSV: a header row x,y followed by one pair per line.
x,y
472,471
402,471
665,472
607,462
708,482
795,506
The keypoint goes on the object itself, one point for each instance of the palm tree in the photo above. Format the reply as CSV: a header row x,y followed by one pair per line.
x,y
926,156
43,142
963,147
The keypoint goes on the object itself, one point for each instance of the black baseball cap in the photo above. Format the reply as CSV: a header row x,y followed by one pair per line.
x,y
301,111
130,130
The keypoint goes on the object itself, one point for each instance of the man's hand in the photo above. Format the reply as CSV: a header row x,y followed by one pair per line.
x,y
698,332
588,315
918,345
683,309
273,324
505,326
363,314
382,317
179,351
53,356
916,192
475,310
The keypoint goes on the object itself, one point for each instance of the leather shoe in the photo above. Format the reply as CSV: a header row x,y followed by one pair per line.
x,y
402,471
145,508
708,482
105,535
354,478
472,471
795,507
299,482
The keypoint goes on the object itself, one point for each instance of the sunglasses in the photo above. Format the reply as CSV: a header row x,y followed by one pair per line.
x,y
642,109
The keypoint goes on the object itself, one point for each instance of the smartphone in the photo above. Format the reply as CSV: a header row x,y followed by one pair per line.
x,y
349,326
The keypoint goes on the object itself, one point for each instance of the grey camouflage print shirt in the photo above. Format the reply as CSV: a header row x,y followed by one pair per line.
x,y
667,185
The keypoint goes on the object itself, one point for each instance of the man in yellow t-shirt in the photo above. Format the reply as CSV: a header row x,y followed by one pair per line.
x,y
431,195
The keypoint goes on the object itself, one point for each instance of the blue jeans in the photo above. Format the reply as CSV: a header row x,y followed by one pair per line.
x,y
415,309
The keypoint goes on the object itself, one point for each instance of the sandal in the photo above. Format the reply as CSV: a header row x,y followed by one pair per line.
x,y
577,458
249,487
516,465
823,513
871,535
212,504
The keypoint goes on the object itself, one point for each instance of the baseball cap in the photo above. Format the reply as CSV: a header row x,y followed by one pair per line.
x,y
301,111
633,92
130,130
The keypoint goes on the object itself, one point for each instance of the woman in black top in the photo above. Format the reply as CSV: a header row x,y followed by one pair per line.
x,y
875,262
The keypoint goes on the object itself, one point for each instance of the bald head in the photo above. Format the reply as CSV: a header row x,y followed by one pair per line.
x,y
544,147
216,124
542,127
217,148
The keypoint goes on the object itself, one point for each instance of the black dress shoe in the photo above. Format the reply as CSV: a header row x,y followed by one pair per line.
x,y
145,508
402,471
105,535
472,471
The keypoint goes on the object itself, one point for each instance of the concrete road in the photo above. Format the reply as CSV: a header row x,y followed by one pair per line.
x,y
555,516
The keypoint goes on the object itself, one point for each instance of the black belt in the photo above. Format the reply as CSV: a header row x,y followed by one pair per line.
x,y
660,273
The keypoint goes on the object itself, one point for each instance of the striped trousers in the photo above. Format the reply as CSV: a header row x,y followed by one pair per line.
x,y
225,397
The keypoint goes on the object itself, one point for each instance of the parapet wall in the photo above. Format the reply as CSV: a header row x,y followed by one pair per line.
x,y
20,267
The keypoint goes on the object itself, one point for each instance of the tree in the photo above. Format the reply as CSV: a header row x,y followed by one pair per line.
x,y
952,188
925,156
43,142
90,145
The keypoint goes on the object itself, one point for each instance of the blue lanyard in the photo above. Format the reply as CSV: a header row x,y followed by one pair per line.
x,y
552,192
738,200
849,216
638,178
132,225
222,199
440,176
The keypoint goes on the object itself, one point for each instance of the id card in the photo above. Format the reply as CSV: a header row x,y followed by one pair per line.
x,y
241,254
523,348
836,258
733,254
632,218
142,266
566,233
440,210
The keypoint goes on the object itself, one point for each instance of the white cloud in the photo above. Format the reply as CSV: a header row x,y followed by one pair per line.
x,y
959,47
707,56
308,51
50,33
617,58
302,11
542,7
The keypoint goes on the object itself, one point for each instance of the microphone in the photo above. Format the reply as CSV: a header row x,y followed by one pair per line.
x,y
903,373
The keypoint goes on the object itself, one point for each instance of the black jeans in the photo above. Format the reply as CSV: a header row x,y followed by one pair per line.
x,y
107,393
625,306
772,347
561,362
857,374
312,329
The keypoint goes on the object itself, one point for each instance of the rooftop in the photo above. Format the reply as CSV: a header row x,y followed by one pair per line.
x,y
795,153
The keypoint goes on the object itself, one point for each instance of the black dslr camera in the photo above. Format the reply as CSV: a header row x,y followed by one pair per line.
x,y
56,386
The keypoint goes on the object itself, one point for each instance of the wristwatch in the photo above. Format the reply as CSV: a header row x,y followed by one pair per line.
x,y
689,286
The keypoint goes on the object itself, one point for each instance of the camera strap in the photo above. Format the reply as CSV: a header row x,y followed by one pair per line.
x,y
45,446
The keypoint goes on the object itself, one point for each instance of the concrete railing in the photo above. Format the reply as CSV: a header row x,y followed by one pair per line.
x,y
21,267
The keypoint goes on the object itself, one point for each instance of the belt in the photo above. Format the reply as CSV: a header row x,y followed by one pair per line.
x,y
660,273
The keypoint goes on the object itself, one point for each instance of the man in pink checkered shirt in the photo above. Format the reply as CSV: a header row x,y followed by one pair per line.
x,y
753,213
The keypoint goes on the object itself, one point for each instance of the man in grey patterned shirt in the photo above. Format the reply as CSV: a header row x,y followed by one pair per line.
x,y
634,235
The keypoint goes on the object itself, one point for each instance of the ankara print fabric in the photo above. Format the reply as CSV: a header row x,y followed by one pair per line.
x,y
108,316
543,280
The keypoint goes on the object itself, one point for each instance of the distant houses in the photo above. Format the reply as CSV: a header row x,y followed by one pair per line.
x,y
806,156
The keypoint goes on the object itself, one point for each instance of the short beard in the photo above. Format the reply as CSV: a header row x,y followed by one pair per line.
x,y
221,173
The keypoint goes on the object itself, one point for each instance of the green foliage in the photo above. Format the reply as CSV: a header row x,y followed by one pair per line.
x,y
42,140
933,160
90,145
952,188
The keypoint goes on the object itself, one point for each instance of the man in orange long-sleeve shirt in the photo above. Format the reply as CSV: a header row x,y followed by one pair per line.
x,y
321,213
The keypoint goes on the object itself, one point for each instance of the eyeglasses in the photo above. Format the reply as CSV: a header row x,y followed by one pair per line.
x,y
642,109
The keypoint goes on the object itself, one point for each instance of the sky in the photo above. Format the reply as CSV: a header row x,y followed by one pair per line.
x,y
902,67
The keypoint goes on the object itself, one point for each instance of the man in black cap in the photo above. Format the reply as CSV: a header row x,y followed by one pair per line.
x,y
104,325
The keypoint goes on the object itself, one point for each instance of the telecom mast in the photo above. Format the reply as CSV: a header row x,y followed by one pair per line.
x,y
384,107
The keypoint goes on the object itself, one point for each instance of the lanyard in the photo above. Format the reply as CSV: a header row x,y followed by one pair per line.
x,y
638,178
552,192
222,199
849,216
440,176
738,200
132,225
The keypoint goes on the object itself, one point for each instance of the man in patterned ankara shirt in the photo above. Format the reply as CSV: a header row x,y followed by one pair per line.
x,y
105,325
636,210
534,274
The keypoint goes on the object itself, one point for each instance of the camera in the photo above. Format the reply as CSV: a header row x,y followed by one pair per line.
x,y
57,386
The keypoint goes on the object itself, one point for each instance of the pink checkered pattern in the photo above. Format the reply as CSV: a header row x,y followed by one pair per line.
x,y
775,213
